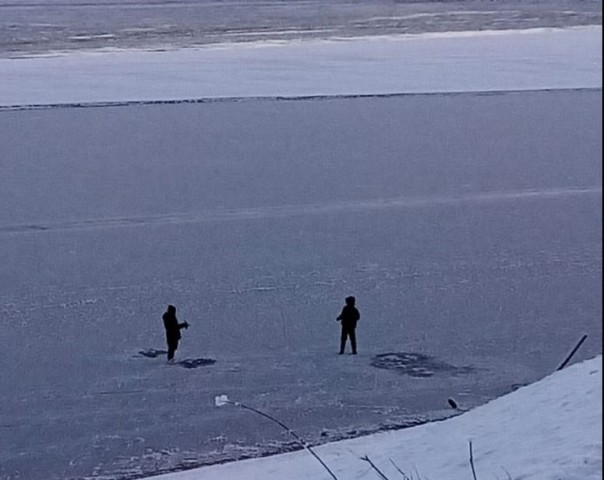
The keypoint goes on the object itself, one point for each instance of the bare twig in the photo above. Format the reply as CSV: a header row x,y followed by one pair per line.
x,y
417,473
404,475
293,434
380,473
507,473
286,428
472,461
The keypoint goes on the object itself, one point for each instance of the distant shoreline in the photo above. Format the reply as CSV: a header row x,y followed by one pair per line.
x,y
253,44
31,28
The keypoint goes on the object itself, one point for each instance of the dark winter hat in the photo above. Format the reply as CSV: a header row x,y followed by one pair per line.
x,y
350,300
171,308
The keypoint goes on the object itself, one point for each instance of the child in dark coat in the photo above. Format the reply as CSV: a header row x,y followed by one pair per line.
x,y
172,330
349,318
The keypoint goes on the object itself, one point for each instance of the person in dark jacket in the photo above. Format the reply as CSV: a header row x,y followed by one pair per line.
x,y
349,318
172,330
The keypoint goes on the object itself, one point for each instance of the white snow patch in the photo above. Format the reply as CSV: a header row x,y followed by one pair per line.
x,y
428,63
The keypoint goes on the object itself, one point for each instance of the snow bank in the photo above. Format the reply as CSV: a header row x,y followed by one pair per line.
x,y
548,430
451,62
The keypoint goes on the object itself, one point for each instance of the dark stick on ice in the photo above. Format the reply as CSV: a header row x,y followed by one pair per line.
x,y
570,355
472,461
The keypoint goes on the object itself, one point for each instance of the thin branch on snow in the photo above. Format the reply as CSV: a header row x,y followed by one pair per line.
x,y
399,470
472,461
221,400
509,476
380,473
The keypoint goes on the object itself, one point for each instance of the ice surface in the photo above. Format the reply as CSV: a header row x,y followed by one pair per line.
x,y
474,245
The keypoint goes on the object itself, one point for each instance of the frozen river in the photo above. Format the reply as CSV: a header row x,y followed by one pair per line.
x,y
468,225
473,247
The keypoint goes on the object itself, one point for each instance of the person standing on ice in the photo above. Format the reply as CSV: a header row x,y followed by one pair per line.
x,y
349,318
172,330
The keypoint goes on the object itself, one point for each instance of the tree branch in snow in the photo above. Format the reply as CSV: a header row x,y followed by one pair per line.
x,y
399,470
472,461
222,400
509,477
380,473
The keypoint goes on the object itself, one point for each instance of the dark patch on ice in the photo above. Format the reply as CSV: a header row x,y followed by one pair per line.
x,y
23,228
186,363
416,365
152,353
196,362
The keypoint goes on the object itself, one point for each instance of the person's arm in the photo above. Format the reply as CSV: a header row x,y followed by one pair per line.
x,y
181,325
340,315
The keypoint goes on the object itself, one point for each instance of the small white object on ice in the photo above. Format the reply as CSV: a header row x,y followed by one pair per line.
x,y
221,400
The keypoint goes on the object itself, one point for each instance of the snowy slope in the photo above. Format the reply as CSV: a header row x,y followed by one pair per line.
x,y
549,430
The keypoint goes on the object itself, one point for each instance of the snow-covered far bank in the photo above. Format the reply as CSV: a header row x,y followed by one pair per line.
x,y
446,62
549,430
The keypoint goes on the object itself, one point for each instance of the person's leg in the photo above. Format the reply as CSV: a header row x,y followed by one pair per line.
x,y
172,346
343,340
353,340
